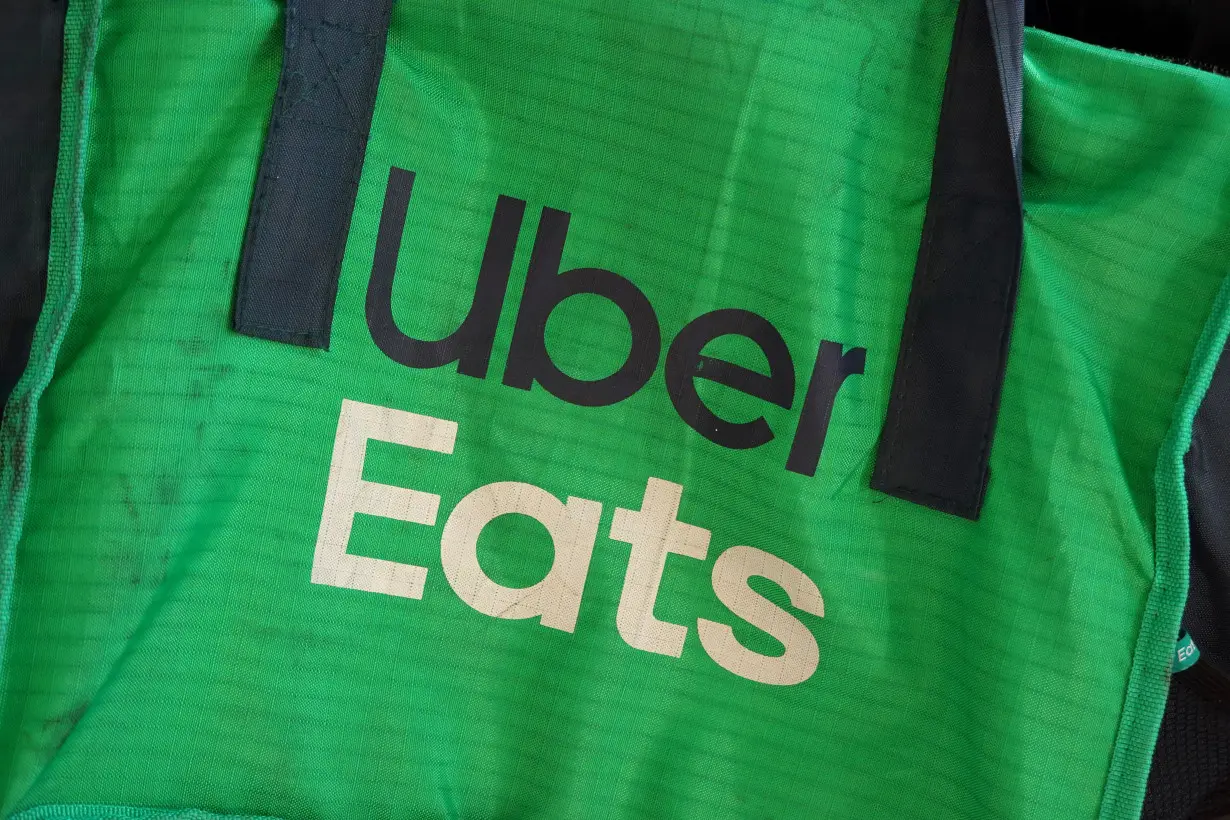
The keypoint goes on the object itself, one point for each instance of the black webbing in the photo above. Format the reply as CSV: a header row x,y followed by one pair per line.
x,y
309,172
936,441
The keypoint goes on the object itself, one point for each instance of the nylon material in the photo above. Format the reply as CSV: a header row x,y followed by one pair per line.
x,y
187,553
1057,324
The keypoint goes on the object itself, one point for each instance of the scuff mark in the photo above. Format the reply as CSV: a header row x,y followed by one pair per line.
x,y
166,489
63,724
194,347
129,504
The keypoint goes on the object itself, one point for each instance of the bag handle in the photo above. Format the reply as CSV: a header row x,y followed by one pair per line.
x,y
309,172
936,441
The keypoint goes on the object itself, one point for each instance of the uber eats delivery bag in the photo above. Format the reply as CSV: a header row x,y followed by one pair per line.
x,y
707,409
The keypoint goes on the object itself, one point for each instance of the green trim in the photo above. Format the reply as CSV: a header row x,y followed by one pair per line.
x,y
1149,683
102,812
63,285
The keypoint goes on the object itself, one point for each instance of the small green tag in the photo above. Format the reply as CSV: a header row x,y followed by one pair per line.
x,y
1185,654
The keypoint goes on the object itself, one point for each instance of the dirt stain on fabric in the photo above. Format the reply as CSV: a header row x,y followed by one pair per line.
x,y
166,489
62,725
20,420
129,504
194,347
201,388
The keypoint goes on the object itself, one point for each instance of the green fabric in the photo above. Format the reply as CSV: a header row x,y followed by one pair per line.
x,y
165,644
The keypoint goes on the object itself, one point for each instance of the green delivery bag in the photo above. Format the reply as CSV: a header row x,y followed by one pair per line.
x,y
582,409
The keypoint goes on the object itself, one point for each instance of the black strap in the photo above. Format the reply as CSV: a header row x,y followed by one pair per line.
x,y
936,441
31,42
309,173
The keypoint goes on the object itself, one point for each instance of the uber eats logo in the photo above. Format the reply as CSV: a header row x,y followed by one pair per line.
x,y
653,531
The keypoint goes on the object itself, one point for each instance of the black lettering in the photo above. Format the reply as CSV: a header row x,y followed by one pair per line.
x,y
470,344
827,377
545,289
684,364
